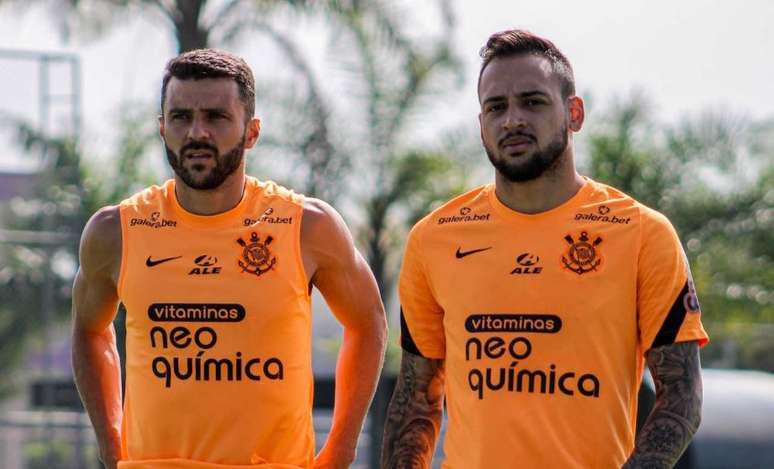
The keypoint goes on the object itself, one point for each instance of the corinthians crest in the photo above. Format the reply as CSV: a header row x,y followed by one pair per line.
x,y
582,257
256,257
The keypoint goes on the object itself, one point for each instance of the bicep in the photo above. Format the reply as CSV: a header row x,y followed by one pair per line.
x,y
342,275
349,288
95,295
94,303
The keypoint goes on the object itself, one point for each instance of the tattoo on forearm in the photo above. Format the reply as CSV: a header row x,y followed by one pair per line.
x,y
677,412
414,414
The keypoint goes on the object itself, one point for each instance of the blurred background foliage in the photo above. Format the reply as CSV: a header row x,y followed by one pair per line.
x,y
711,174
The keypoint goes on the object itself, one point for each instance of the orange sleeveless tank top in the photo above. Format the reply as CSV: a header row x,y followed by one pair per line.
x,y
218,333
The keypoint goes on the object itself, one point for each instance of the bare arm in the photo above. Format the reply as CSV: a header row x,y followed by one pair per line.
x,y
414,414
345,280
677,412
96,364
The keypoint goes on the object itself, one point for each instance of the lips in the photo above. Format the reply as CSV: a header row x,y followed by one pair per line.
x,y
516,142
198,154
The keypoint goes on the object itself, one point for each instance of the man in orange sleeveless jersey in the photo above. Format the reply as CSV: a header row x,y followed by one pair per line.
x,y
215,269
531,304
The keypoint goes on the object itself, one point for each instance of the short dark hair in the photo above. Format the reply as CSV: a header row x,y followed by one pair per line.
x,y
212,63
520,42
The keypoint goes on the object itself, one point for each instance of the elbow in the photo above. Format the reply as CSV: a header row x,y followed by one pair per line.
x,y
695,417
382,332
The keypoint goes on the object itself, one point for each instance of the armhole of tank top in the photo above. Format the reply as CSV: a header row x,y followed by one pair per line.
x,y
124,249
307,294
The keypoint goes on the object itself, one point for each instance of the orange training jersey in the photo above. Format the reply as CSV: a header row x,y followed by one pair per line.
x,y
218,333
543,321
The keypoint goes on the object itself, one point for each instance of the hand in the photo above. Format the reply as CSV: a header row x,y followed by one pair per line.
x,y
326,460
111,463
110,459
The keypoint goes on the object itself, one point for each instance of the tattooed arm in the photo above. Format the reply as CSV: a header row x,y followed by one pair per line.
x,y
414,414
677,412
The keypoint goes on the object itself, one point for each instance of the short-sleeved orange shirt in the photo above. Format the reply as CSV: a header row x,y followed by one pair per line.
x,y
543,321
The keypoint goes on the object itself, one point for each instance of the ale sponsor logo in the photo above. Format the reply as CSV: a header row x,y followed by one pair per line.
x,y
154,221
527,264
205,265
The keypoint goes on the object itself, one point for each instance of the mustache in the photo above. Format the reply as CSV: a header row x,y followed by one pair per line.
x,y
198,146
518,133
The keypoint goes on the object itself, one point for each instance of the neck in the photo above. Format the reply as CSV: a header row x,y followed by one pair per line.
x,y
214,201
550,190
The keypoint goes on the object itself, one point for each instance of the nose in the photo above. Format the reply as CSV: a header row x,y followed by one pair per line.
x,y
199,130
513,119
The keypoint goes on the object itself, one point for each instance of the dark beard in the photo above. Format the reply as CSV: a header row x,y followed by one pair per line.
x,y
224,166
540,162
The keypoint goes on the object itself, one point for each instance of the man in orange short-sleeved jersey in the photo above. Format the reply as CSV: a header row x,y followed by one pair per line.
x,y
531,304
215,269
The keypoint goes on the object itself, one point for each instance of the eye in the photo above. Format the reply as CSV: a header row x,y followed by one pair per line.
x,y
216,116
533,102
495,107
179,116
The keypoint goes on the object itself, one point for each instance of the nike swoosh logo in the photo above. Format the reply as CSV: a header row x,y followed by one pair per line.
x,y
151,263
460,254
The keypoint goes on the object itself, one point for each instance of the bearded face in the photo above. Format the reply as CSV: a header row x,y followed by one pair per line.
x,y
528,165
201,166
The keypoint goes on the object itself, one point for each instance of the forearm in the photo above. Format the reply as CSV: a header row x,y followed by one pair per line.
x,y
97,372
414,414
357,373
677,412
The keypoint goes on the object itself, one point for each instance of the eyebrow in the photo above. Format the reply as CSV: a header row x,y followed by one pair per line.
x,y
217,110
522,95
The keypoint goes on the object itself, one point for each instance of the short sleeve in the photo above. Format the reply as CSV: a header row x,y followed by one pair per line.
x,y
667,306
421,317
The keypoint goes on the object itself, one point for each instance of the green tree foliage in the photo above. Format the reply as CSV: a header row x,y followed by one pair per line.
x,y
391,71
713,176
40,255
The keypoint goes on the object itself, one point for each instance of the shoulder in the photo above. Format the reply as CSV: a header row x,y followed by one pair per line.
x,y
149,195
272,190
473,205
619,202
321,220
325,239
100,247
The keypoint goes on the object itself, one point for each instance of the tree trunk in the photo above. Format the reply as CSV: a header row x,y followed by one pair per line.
x,y
189,32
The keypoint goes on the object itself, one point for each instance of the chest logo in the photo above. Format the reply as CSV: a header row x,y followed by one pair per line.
x,y
583,255
460,253
527,263
205,265
256,256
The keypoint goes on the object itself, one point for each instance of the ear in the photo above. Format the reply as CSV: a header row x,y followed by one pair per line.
x,y
161,125
577,113
252,132
481,127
